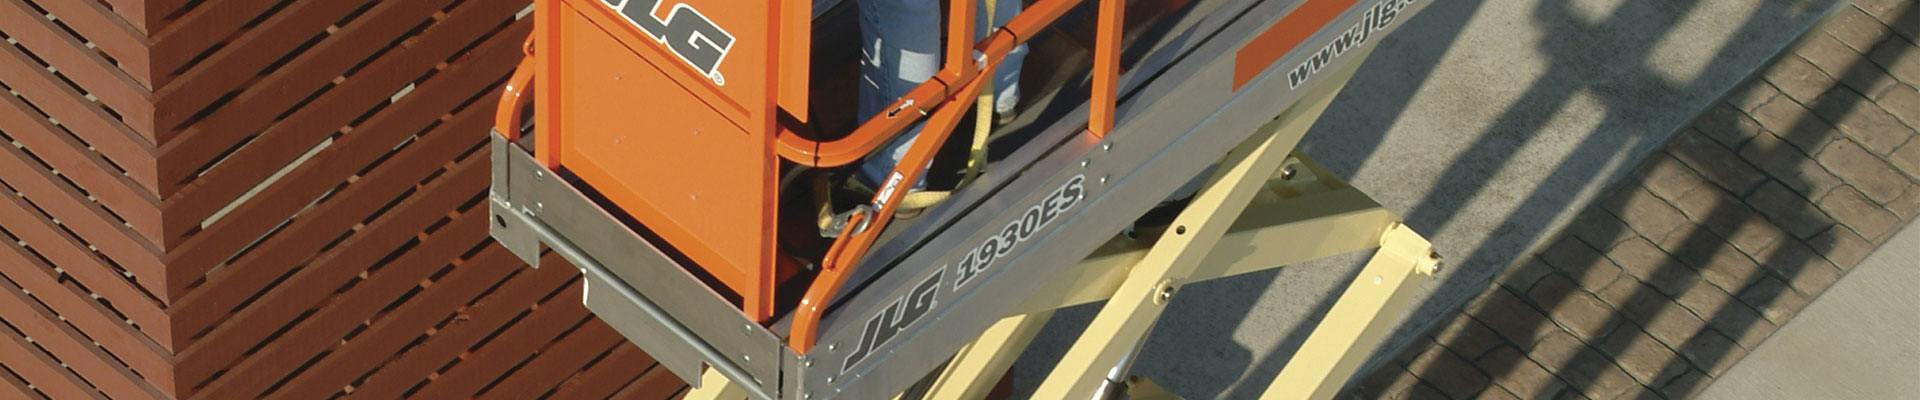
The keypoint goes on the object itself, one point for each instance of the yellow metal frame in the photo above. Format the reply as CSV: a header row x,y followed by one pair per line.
x,y
1264,207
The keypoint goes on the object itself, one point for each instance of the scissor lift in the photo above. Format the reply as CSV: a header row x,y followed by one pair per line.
x,y
939,306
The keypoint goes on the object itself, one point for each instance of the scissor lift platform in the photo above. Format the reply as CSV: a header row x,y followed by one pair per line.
x,y
951,298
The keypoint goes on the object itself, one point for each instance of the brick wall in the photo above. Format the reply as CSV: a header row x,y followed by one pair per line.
x,y
250,198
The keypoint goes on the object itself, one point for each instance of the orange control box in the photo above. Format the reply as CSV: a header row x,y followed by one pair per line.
x,y
670,109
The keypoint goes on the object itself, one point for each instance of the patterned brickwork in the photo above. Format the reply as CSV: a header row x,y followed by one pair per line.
x,y
273,198
1709,247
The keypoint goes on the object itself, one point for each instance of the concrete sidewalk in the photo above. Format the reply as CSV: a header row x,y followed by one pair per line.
x,y
1859,341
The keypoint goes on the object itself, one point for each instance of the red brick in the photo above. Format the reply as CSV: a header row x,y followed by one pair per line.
x,y
1520,375
1900,58
1854,27
1788,210
1715,162
1645,212
1775,300
1843,62
1727,124
1454,376
1788,165
1668,178
1903,102
1798,79
1648,263
1843,247
1467,337
1513,318
1851,208
1795,124
1711,352
1645,359
1859,118
1865,171
1752,94
1588,268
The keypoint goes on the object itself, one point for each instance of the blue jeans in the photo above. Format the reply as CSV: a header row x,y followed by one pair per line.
x,y
900,45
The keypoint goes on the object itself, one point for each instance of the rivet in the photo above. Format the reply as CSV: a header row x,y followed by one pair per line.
x,y
1106,146
1084,163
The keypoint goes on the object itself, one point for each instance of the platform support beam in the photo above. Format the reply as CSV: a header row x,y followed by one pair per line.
x,y
1130,314
1359,320
717,387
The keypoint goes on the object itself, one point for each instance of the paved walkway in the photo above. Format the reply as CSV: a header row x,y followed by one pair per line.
x,y
1717,241
1856,342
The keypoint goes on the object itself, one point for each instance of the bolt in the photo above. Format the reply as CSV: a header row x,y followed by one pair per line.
x,y
1287,172
1166,293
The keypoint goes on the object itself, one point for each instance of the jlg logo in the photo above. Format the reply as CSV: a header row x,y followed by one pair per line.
x,y
902,313
693,37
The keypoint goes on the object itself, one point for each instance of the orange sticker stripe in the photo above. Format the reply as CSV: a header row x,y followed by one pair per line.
x,y
1283,37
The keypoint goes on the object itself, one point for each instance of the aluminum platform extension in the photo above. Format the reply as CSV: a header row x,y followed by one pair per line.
x,y
1212,78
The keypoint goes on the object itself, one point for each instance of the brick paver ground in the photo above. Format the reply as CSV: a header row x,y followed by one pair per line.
x,y
1711,245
